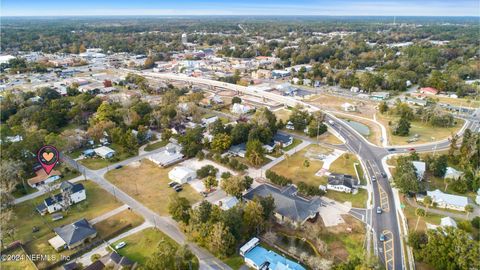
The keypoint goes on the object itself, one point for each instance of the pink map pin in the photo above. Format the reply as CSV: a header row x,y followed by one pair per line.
x,y
48,157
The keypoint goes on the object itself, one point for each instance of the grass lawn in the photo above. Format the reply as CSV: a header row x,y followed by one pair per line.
x,y
426,132
375,130
283,114
328,137
96,163
152,183
361,175
357,200
293,167
235,262
98,202
22,263
293,145
409,212
117,224
156,145
143,244
344,164
439,183
464,102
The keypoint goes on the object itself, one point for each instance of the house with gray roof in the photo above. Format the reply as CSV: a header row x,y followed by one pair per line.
x,y
289,207
445,200
72,235
341,183
451,173
71,193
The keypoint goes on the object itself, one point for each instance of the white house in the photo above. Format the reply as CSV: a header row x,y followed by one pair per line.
x,y
419,169
444,200
209,120
451,173
104,152
238,108
448,222
349,107
182,175
70,194
341,183
170,155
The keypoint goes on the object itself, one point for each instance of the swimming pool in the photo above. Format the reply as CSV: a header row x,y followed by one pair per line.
x,y
259,256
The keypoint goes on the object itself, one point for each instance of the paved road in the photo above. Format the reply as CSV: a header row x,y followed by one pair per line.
x,y
165,224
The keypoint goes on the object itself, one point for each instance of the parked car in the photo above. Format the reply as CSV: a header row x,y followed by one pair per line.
x,y
178,188
374,178
382,237
379,210
120,245
118,167
172,184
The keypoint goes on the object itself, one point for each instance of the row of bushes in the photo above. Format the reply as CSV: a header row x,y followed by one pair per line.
x,y
232,163
309,190
277,179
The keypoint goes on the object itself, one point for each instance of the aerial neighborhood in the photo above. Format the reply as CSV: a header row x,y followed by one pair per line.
x,y
240,143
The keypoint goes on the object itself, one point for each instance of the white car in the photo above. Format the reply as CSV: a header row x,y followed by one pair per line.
x,y
120,245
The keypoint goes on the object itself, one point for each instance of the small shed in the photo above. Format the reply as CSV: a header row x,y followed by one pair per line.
x,y
181,174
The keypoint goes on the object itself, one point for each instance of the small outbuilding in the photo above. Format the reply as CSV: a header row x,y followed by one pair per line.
x,y
182,174
104,152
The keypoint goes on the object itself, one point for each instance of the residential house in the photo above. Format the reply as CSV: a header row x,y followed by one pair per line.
x,y
444,200
259,258
70,194
171,154
288,206
238,150
277,74
451,173
283,139
72,235
419,169
113,261
182,174
209,120
429,90
42,178
262,74
448,222
415,101
341,183
238,108
227,202
104,152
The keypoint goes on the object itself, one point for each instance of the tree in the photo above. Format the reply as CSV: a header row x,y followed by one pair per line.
x,y
234,186
149,63
439,166
168,256
204,210
405,178
346,157
253,217
316,128
402,128
236,100
247,182
210,182
427,200
383,107
450,248
192,141
419,212
268,206
217,127
299,118
240,133
207,170
166,134
220,240
306,163
179,208
263,117
221,142
417,239
11,174
255,153
469,208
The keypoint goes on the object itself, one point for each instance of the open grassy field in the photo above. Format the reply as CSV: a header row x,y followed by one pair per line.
x,y
115,223
426,132
344,164
283,114
328,137
463,102
16,259
97,203
235,262
409,212
365,108
96,163
294,144
151,182
155,145
143,244
293,166
357,200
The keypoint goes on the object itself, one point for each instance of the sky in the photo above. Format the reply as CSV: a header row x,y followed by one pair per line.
x,y
240,7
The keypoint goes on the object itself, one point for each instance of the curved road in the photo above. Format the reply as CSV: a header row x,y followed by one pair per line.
x,y
389,251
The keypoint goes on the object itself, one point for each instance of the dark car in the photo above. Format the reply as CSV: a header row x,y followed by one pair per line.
x,y
178,188
391,149
411,149
118,167
172,184
384,175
